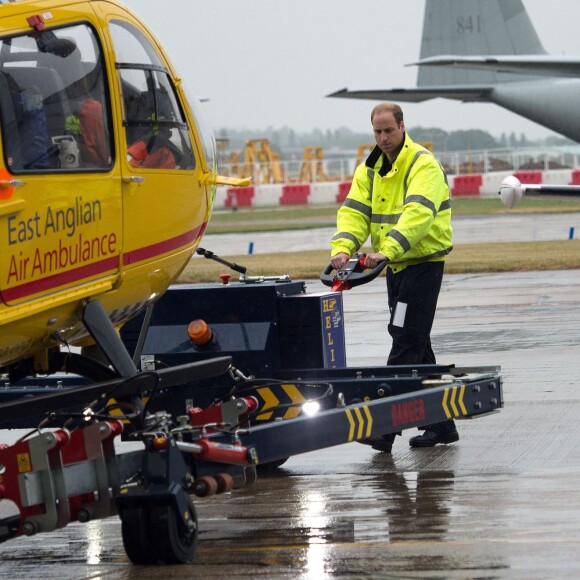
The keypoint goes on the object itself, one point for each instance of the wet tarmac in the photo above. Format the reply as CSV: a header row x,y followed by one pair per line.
x,y
503,502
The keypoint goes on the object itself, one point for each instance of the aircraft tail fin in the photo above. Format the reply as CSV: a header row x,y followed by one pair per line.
x,y
474,27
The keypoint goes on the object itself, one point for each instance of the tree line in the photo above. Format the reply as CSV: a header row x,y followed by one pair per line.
x,y
287,141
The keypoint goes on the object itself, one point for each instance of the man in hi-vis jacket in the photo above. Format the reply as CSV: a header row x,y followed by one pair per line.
x,y
400,197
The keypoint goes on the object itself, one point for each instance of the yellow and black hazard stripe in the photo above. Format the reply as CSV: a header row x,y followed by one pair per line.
x,y
452,403
287,396
114,410
360,420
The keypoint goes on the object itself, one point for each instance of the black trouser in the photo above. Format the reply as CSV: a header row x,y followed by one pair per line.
x,y
413,295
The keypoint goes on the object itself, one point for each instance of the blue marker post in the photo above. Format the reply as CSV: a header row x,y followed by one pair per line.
x,y
251,248
571,234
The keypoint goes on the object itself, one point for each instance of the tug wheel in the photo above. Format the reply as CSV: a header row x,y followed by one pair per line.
x,y
155,533
225,482
134,526
251,474
205,486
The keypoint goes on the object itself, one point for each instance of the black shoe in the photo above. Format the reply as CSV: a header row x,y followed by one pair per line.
x,y
431,438
384,443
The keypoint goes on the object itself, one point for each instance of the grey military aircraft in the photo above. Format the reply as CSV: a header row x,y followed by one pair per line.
x,y
489,51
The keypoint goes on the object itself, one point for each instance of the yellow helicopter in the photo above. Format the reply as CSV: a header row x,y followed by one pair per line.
x,y
107,177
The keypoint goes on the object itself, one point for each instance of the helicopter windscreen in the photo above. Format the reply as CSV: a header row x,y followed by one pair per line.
x,y
156,128
54,113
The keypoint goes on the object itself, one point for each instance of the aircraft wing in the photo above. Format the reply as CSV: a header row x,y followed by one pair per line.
x,y
543,65
465,93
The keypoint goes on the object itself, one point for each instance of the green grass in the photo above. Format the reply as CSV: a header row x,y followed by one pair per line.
x,y
512,257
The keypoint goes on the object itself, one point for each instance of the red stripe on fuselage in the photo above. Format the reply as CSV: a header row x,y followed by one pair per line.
x,y
101,267
60,279
159,248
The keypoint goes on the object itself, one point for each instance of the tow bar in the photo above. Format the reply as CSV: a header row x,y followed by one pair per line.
x,y
200,419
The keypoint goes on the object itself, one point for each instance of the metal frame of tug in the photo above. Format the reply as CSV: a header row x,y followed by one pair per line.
x,y
208,415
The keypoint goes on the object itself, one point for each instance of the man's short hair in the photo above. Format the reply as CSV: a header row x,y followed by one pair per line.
x,y
388,108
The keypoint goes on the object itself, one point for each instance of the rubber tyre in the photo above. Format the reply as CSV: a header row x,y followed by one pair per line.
x,y
174,542
135,533
155,534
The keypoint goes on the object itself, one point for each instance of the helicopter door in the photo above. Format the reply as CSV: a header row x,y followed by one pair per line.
x,y
165,208
61,226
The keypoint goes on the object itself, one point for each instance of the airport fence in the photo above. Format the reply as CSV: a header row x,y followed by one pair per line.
x,y
341,168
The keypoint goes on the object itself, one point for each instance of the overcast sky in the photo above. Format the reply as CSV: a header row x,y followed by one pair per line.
x,y
270,63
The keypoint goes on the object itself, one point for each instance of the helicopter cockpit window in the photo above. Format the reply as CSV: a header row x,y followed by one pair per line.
x,y
53,106
155,126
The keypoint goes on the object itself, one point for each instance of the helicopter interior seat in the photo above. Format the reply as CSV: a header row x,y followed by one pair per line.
x,y
82,80
141,109
139,113
44,101
86,96
28,143
9,122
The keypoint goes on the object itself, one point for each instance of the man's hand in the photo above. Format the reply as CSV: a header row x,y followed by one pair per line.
x,y
371,260
339,260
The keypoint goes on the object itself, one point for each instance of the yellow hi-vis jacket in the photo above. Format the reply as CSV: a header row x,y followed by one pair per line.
x,y
405,207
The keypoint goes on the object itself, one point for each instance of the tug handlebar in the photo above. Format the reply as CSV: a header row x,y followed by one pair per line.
x,y
352,274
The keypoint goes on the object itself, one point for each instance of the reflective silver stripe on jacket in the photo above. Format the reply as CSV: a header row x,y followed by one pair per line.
x,y
423,201
425,258
347,236
444,174
445,205
417,155
358,206
387,218
371,176
397,235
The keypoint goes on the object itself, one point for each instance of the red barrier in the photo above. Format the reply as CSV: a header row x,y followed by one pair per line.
x,y
532,177
343,189
466,185
295,194
575,177
239,196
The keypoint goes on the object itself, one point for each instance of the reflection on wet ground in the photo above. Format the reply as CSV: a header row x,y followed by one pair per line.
x,y
504,502
380,523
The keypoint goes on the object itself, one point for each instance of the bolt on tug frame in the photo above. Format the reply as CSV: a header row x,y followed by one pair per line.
x,y
75,472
